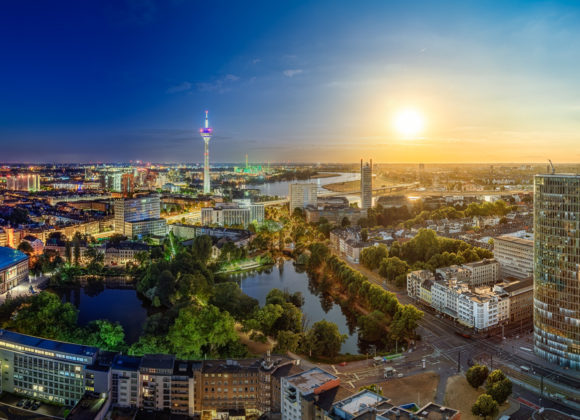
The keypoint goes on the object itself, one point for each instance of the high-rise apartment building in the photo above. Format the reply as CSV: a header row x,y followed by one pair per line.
x,y
139,217
23,182
302,195
557,268
366,184
515,256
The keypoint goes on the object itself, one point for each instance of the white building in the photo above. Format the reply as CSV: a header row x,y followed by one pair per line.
x,y
515,256
484,272
232,214
302,195
297,392
23,182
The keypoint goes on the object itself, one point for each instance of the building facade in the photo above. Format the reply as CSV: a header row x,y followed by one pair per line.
x,y
515,256
366,184
13,268
556,268
23,182
139,217
302,195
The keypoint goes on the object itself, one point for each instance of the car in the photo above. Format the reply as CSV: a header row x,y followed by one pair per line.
x,y
27,404
20,403
35,406
342,364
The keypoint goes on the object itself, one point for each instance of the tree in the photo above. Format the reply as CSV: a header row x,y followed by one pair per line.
x,y
405,322
392,267
44,315
485,407
67,252
76,251
372,326
25,247
199,332
345,222
372,256
364,235
498,386
106,335
229,297
476,375
324,339
288,341
201,248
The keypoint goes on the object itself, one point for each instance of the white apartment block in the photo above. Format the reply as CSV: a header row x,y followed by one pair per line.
x,y
302,195
232,215
515,256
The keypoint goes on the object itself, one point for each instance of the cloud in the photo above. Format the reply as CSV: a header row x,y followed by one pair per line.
x,y
256,60
220,85
179,88
292,72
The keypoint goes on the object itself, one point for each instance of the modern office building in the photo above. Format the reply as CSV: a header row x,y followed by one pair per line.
x,y
23,182
302,195
206,133
556,268
366,184
515,256
139,217
48,370
13,268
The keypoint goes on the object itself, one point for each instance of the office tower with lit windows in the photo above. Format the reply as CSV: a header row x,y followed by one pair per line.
x,y
206,133
557,268
139,217
366,184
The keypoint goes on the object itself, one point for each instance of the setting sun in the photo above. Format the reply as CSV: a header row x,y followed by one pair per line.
x,y
409,123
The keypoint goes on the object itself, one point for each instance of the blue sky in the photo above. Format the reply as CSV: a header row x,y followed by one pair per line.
x,y
318,81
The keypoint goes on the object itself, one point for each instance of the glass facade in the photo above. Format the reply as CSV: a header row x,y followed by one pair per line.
x,y
556,268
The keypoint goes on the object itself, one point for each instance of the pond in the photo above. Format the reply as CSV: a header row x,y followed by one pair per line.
x,y
316,307
122,305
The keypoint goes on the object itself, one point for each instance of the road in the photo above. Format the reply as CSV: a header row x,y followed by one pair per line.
x,y
455,353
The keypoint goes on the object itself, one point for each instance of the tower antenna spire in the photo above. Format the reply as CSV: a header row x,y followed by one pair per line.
x,y
206,119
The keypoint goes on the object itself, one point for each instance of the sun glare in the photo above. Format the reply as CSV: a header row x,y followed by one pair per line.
x,y
409,123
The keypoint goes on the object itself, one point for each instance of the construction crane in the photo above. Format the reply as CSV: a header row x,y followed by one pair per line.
x,y
552,166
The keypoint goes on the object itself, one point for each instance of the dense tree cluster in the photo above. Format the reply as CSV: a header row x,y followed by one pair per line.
x,y
425,251
400,321
44,315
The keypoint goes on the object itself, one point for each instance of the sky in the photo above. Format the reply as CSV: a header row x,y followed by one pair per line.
x,y
300,81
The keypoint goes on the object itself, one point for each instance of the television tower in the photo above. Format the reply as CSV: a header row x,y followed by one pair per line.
x,y
206,133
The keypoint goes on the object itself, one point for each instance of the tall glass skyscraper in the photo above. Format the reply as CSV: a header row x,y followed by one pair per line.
x,y
557,268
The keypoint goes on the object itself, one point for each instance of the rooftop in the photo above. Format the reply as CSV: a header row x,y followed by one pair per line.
x,y
358,402
9,257
307,382
44,344
516,240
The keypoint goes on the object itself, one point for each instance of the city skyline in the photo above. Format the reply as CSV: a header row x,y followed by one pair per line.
x,y
306,82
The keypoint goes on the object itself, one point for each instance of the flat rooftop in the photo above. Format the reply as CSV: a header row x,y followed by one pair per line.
x,y
10,257
516,240
31,343
359,402
308,381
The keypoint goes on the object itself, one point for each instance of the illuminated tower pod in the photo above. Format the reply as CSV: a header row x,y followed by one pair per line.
x,y
557,268
206,133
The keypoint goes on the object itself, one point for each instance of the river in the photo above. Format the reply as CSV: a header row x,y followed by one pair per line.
x,y
316,306
281,188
